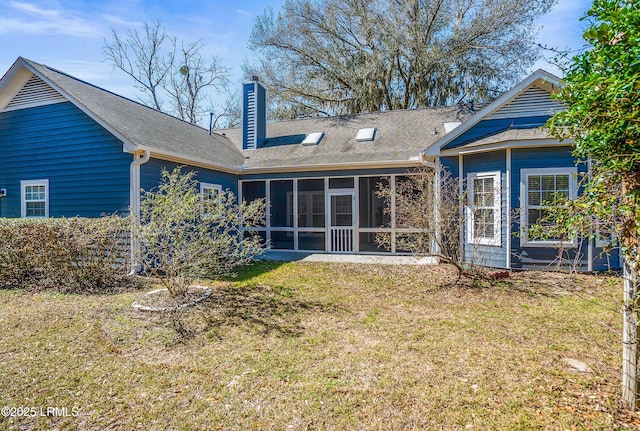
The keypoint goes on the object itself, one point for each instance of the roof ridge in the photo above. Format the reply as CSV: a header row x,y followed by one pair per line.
x,y
53,69
351,116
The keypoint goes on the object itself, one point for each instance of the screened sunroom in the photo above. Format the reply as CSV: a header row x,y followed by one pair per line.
x,y
342,214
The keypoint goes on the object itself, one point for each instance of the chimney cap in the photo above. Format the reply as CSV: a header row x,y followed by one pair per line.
x,y
255,78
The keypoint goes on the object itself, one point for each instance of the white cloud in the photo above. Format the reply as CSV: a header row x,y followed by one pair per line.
x,y
33,9
27,18
64,26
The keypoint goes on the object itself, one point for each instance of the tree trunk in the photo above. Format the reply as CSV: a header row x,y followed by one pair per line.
x,y
630,387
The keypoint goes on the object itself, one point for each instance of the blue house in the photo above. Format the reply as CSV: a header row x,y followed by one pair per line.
x,y
68,148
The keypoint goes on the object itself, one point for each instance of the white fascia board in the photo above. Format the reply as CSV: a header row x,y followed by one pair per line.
x,y
180,158
334,166
543,75
13,81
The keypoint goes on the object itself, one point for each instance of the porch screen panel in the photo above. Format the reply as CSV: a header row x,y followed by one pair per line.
x,y
252,190
282,240
311,203
407,187
281,203
311,241
372,214
341,183
368,243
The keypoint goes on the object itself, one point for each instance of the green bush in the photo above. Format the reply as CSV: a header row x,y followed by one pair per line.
x,y
184,237
74,254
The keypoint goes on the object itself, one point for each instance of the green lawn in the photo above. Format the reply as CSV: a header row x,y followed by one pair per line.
x,y
323,347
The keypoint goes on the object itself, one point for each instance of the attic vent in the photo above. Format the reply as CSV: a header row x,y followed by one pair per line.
x,y
35,92
367,134
532,102
313,138
449,126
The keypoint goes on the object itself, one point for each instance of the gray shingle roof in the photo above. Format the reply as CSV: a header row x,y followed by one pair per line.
x,y
400,135
143,126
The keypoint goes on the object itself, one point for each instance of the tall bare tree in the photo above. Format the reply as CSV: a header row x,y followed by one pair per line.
x,y
174,77
347,56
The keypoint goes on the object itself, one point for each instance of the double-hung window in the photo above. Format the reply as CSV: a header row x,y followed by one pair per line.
x,y
210,194
484,208
539,190
34,200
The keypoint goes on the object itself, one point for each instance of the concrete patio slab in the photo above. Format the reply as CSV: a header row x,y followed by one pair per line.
x,y
290,256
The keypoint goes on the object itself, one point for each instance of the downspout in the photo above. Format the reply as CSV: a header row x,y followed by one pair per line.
x,y
436,196
134,203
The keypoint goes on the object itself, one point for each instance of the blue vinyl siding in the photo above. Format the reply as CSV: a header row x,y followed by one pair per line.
x,y
486,128
548,257
151,173
87,170
450,164
488,255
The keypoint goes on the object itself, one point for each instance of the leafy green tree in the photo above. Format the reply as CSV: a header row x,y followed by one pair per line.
x,y
602,95
183,235
351,56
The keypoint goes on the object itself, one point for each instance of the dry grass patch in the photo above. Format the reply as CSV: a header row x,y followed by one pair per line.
x,y
324,346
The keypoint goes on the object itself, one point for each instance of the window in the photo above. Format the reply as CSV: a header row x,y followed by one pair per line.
x,y
34,198
483,212
539,189
210,192
210,195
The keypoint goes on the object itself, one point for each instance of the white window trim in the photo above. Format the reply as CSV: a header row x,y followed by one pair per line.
x,y
216,187
23,197
524,203
496,240
600,241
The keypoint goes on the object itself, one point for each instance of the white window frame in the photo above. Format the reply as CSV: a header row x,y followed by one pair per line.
x,y
601,240
496,239
210,186
524,203
23,197
218,191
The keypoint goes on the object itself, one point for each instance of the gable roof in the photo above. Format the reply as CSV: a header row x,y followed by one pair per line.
x,y
399,137
528,99
137,126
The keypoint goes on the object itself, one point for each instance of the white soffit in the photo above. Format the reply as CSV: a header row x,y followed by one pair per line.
x,y
367,134
313,138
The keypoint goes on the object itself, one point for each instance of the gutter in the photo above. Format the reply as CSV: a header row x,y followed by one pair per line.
x,y
134,203
422,157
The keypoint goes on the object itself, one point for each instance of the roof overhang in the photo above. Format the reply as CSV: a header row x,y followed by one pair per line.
x,y
409,163
531,143
540,77
200,163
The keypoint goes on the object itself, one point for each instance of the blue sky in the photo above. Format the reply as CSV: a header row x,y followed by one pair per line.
x,y
69,34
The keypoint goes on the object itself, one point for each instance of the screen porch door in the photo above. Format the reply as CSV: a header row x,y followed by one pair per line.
x,y
341,222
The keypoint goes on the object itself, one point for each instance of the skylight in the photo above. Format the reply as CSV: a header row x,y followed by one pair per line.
x,y
367,134
313,138
449,126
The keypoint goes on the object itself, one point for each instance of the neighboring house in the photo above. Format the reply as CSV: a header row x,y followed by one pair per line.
x,y
68,148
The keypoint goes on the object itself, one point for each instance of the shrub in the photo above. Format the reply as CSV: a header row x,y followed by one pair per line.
x,y
183,236
65,254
